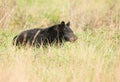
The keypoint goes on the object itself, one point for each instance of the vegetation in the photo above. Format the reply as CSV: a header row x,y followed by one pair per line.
x,y
94,57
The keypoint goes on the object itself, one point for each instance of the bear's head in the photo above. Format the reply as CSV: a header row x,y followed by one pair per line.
x,y
66,32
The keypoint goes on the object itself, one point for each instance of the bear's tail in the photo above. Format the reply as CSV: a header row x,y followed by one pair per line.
x,y
14,40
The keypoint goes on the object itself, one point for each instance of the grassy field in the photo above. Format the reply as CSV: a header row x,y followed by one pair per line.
x,y
94,57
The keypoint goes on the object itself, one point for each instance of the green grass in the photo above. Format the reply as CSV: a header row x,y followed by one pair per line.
x,y
94,57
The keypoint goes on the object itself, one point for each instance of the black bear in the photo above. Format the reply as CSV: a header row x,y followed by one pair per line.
x,y
54,34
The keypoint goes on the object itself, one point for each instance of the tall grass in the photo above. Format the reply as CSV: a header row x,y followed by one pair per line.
x,y
94,57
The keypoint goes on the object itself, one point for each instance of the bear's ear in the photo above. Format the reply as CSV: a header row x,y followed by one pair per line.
x,y
68,24
62,24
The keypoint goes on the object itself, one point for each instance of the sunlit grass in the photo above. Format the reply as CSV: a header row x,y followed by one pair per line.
x,y
94,57
91,58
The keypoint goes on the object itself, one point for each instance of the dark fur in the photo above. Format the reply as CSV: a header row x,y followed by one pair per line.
x,y
50,35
